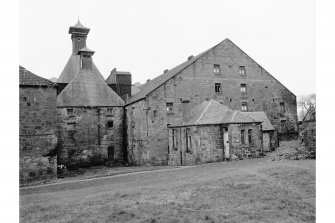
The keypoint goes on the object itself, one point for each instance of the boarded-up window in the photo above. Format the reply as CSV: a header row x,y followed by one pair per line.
x,y
250,136
242,137
169,107
110,111
217,87
188,140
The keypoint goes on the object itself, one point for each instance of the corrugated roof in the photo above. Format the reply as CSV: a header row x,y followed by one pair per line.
x,y
261,116
72,68
158,81
27,78
212,112
88,89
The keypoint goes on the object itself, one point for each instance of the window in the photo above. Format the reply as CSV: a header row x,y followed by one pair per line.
x,y
110,124
110,111
282,106
216,69
243,88
244,106
188,140
69,111
250,136
242,70
242,137
78,39
169,107
217,87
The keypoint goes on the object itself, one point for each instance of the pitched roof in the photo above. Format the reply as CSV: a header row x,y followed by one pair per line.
x,y
88,89
261,116
27,78
158,81
212,112
72,68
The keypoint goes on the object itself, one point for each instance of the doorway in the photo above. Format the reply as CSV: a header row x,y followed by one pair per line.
x,y
226,145
110,155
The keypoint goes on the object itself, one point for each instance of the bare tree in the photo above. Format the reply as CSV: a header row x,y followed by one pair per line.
x,y
306,102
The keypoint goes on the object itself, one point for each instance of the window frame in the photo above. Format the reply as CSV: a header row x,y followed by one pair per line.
x,y
244,104
250,136
188,140
242,71
216,69
243,136
244,87
217,86
282,107
169,108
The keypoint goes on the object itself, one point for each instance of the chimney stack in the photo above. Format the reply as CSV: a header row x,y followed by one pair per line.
x,y
190,57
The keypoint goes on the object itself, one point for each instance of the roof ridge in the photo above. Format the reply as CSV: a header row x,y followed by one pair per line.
x,y
202,113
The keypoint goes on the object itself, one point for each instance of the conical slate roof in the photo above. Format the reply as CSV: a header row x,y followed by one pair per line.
x,y
88,89
212,112
72,68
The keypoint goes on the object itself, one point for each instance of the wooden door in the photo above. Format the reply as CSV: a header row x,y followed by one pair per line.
x,y
226,145
266,141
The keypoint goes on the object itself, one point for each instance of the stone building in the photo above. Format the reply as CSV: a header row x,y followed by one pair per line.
x,y
78,37
91,119
270,138
224,73
37,134
213,132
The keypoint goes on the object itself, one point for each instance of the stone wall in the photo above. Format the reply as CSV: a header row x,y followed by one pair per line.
x,y
195,84
37,134
207,144
86,139
309,134
247,150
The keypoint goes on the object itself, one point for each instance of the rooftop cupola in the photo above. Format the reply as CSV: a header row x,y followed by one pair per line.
x,y
86,58
78,36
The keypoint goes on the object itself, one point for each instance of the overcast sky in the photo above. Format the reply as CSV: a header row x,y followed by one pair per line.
x,y
146,37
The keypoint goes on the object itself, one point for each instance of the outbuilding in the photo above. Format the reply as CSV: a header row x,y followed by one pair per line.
x,y
212,133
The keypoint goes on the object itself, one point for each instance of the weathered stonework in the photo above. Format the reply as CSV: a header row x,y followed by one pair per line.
x,y
195,84
38,160
86,139
207,144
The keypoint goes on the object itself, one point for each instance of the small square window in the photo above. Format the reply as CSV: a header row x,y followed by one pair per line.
x,y
244,106
110,124
242,70
243,88
216,69
69,111
169,107
110,111
217,87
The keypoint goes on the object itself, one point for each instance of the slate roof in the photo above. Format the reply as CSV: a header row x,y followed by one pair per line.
x,y
261,116
72,68
158,81
212,112
27,78
87,89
